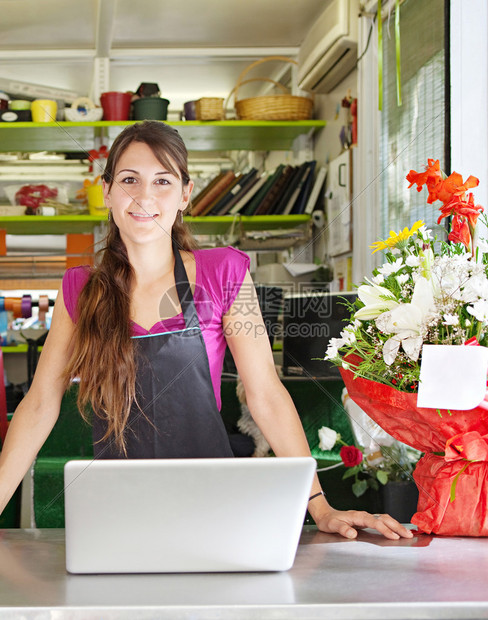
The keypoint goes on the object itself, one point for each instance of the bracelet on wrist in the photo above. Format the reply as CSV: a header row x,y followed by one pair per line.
x,y
316,495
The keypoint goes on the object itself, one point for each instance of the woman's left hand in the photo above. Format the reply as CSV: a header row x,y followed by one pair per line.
x,y
346,523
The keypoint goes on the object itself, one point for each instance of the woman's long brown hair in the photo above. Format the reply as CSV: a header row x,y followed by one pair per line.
x,y
103,356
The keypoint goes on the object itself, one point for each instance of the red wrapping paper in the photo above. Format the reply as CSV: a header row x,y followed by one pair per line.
x,y
461,435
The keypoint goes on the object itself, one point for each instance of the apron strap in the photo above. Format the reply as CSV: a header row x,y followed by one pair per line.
x,y
184,291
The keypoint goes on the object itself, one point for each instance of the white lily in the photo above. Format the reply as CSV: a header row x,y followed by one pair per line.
x,y
388,268
406,322
479,310
376,299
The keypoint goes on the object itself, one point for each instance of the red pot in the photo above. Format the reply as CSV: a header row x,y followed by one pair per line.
x,y
116,106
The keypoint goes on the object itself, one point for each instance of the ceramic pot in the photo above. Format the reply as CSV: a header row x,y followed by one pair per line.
x,y
154,108
116,106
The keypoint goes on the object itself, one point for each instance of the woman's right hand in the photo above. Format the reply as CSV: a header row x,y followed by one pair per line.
x,y
347,522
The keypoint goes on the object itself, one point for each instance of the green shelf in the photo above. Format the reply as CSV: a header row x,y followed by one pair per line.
x,y
198,135
220,225
20,348
62,224
49,224
265,222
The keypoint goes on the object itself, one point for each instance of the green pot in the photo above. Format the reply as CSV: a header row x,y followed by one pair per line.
x,y
153,108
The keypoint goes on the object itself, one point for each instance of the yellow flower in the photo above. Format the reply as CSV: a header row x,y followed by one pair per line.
x,y
396,239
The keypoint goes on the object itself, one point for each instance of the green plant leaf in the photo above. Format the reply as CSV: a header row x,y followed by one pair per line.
x,y
455,481
373,484
382,476
359,487
351,471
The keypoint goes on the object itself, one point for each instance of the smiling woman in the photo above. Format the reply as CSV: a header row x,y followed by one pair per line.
x,y
145,163
153,380
147,191
146,184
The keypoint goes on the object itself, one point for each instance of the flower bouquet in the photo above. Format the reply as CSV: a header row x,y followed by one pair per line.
x,y
428,292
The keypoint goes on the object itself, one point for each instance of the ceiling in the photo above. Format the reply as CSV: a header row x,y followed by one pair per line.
x,y
191,48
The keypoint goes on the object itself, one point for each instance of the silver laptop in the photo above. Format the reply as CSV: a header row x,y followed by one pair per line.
x,y
185,515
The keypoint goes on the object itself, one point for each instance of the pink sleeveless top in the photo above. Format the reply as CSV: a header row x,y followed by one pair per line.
x,y
219,276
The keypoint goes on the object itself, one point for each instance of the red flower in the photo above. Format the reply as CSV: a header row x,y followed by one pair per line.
x,y
432,176
439,187
451,187
459,206
102,153
451,191
34,195
470,446
351,456
460,231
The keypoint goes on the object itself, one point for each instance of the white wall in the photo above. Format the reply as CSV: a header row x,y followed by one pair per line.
x,y
328,145
469,92
328,108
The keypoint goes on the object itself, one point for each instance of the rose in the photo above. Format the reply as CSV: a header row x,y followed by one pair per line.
x,y
327,437
351,456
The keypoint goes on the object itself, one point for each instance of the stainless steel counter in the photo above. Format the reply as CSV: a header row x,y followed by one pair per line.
x,y
425,577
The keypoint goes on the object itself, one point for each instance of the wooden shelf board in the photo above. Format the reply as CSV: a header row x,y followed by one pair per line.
x,y
35,284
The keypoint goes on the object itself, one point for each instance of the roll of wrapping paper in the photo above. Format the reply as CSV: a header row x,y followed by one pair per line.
x,y
43,307
2,304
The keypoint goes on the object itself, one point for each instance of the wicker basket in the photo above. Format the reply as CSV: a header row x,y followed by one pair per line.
x,y
209,109
281,107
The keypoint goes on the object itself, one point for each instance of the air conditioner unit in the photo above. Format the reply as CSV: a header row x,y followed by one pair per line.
x,y
329,51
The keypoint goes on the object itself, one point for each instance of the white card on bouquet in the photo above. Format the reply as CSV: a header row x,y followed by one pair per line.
x,y
452,376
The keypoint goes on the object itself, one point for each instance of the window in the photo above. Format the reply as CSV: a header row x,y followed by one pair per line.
x,y
415,131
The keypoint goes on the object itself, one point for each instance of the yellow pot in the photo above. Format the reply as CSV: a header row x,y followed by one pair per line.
x,y
96,205
44,110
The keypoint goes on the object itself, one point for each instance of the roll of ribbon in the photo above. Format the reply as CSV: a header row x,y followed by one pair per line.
x,y
43,307
82,102
17,307
26,306
318,218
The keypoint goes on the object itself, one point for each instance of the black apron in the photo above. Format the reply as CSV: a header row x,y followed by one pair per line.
x,y
179,417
